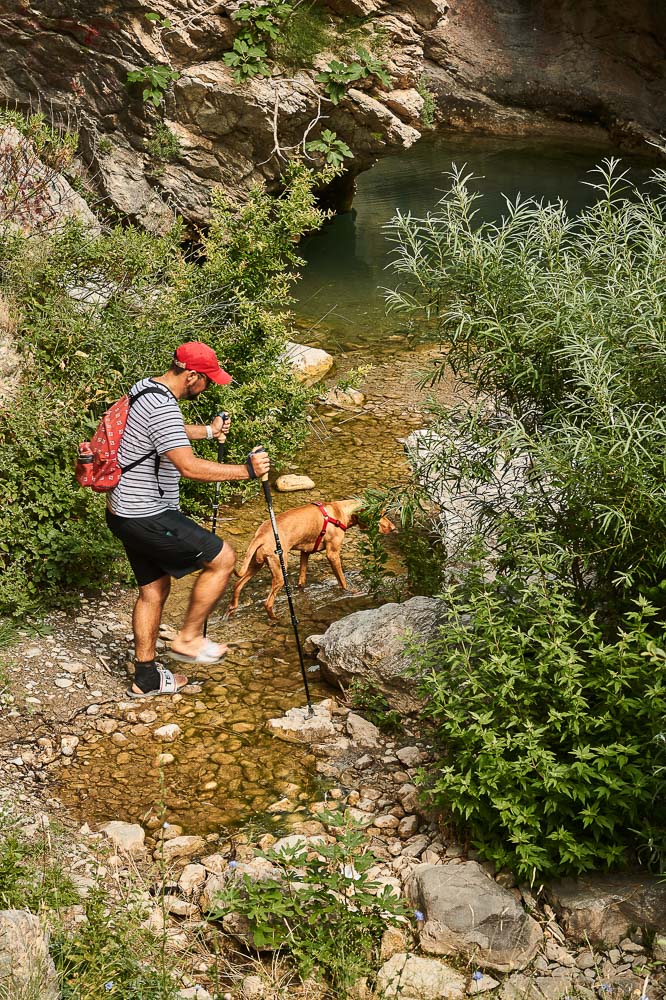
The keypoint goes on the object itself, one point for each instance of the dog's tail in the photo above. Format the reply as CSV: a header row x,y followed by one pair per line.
x,y
249,556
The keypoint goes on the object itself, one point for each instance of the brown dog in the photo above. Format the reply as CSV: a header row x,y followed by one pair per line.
x,y
308,529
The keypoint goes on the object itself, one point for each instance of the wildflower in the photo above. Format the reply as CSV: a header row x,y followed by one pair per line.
x,y
165,825
233,864
419,915
605,987
477,975
108,986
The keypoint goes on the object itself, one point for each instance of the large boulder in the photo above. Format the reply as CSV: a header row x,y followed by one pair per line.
x,y
604,908
370,646
26,967
465,912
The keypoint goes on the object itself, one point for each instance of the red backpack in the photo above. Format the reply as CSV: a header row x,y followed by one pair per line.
x,y
97,463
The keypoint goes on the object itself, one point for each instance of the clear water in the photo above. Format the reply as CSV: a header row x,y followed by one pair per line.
x,y
340,301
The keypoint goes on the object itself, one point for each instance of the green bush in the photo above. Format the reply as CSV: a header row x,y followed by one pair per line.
x,y
547,733
545,686
553,327
76,359
323,908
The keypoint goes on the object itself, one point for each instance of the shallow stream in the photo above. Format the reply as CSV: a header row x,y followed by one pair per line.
x,y
226,769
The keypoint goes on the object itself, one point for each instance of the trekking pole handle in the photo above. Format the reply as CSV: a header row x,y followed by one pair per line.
x,y
255,451
224,416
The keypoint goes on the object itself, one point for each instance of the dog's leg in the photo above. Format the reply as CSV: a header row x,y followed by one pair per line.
x,y
251,571
277,585
333,556
303,569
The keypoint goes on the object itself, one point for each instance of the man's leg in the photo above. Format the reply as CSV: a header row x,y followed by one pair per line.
x,y
148,615
206,592
146,626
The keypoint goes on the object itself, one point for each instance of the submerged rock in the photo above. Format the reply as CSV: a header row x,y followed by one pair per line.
x,y
290,484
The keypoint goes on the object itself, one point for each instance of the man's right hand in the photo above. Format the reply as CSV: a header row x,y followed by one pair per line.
x,y
261,462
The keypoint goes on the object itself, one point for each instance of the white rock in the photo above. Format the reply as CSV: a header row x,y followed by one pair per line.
x,y
192,878
68,745
254,988
412,978
409,756
169,732
195,993
362,731
291,484
299,725
309,364
180,847
127,837
26,968
63,682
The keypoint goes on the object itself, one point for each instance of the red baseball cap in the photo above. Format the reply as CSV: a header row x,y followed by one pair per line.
x,y
198,357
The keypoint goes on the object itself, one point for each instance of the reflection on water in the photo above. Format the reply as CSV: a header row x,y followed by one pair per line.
x,y
347,260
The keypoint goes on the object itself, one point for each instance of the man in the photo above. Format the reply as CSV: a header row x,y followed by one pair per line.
x,y
143,512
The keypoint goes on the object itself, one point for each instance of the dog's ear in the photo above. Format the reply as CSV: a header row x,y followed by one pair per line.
x,y
353,520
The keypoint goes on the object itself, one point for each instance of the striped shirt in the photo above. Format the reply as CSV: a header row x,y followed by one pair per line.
x,y
154,424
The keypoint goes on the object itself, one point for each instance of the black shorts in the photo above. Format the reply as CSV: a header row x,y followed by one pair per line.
x,y
166,543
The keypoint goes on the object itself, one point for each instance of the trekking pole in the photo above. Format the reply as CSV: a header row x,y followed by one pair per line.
x,y
265,485
221,455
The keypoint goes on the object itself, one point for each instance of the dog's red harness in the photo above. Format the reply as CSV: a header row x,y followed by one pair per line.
x,y
327,520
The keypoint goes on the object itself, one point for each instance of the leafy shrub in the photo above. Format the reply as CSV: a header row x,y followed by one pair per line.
x,y
156,81
545,685
54,144
553,329
546,730
77,358
334,150
306,32
164,145
262,23
323,908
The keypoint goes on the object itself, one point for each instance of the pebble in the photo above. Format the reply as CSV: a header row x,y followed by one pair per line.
x,y
168,732
63,682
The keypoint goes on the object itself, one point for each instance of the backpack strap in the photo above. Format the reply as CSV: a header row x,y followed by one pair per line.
x,y
131,400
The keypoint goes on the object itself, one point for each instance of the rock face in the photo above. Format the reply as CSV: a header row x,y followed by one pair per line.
x,y
604,908
511,67
26,968
370,646
466,912
515,65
